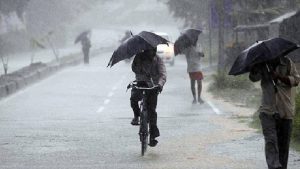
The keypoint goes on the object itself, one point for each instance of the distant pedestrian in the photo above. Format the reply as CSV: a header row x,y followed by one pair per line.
x,y
84,38
86,45
187,44
193,57
277,77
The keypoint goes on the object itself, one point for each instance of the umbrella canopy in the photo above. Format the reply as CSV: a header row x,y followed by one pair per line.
x,y
261,52
82,35
188,38
136,44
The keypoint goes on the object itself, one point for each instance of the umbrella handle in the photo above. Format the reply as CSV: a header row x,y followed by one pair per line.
x,y
274,84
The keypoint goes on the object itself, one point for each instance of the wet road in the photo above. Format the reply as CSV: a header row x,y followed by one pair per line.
x,y
80,118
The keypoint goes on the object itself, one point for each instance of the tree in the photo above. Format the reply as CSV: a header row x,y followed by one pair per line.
x,y
45,16
4,63
257,11
18,6
234,12
221,53
193,12
196,12
3,55
35,44
241,11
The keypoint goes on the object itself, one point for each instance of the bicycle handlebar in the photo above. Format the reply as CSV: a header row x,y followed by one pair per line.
x,y
144,88
133,85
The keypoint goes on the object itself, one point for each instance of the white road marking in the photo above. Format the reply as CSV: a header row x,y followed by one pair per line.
x,y
123,78
215,109
106,101
110,94
100,109
115,88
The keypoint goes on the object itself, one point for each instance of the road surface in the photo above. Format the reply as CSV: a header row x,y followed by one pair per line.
x,y
80,118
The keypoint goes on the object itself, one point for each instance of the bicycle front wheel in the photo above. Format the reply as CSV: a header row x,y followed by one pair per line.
x,y
144,146
144,132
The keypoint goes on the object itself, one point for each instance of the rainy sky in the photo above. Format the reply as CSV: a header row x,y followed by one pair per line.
x,y
64,19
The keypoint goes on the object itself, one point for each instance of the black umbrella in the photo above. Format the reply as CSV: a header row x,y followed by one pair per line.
x,y
82,35
188,38
136,44
261,52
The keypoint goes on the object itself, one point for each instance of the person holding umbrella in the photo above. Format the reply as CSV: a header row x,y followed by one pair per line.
x,y
84,38
267,63
149,69
187,44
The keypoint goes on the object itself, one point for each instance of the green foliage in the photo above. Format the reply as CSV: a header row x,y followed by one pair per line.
x,y
237,89
7,6
244,12
296,122
55,15
222,81
258,11
193,12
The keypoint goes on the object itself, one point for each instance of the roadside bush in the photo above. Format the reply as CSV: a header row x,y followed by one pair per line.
x,y
296,121
222,81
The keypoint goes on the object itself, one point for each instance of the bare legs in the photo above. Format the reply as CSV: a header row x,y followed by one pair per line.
x,y
193,89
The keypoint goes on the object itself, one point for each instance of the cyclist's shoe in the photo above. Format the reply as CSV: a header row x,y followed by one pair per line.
x,y
135,121
153,142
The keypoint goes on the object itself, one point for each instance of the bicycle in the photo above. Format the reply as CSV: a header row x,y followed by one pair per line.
x,y
144,122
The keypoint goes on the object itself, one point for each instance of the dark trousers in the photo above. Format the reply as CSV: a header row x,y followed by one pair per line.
x,y
277,134
151,103
86,58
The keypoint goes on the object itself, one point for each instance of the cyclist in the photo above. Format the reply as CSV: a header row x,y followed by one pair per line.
x,y
148,68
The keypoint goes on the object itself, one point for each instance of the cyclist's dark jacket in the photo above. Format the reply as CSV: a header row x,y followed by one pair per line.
x,y
146,69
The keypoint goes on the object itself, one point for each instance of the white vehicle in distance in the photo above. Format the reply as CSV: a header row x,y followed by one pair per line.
x,y
166,52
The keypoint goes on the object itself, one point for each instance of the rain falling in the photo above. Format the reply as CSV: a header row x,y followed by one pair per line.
x,y
153,84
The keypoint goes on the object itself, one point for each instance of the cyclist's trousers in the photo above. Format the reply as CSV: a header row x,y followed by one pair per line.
x,y
136,96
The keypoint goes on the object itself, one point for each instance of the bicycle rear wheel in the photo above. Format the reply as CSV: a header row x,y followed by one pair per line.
x,y
144,132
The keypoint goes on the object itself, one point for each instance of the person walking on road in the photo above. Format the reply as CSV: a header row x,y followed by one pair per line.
x,y
148,68
193,58
187,44
84,38
277,77
86,45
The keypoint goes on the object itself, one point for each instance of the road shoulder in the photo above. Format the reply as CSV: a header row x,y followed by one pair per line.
x,y
236,138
